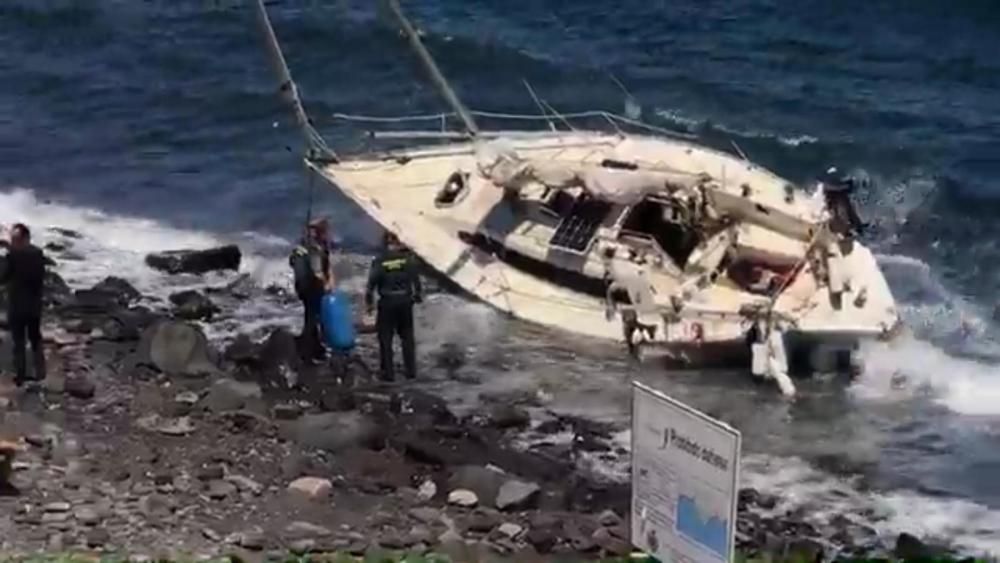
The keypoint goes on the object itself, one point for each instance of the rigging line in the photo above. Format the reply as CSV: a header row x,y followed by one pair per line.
x,y
557,114
538,102
739,150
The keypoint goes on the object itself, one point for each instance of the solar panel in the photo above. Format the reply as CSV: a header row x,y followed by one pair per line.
x,y
579,225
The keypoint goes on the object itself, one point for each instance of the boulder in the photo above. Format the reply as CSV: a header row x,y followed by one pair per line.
x,y
517,495
335,431
196,261
509,416
485,482
241,351
79,387
118,289
805,550
177,348
910,548
230,395
193,306
312,488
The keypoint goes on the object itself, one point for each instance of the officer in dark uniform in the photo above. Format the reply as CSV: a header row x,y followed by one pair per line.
x,y
24,276
838,189
312,264
394,274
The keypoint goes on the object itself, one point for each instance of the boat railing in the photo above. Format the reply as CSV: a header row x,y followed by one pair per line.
x,y
505,124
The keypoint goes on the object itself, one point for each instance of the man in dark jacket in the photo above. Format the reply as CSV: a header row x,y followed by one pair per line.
x,y
312,264
24,277
394,274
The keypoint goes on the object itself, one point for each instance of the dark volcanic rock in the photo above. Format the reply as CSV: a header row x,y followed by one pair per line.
x,y
80,387
177,348
910,548
193,306
230,395
483,481
196,261
509,416
335,431
241,351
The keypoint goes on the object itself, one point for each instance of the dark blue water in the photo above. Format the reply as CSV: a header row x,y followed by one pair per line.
x,y
166,110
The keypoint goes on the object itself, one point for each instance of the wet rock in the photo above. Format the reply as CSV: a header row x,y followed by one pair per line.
x,y
393,540
111,293
230,395
178,349
909,547
193,306
542,539
463,497
210,472
220,490
241,351
766,501
510,530
805,550
187,398
517,495
509,416
181,426
79,387
252,538
196,261
313,488
335,431
485,482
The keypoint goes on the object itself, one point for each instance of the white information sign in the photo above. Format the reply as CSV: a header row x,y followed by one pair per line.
x,y
685,472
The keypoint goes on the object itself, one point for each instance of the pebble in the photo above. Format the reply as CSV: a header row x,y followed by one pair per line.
x,y
510,530
246,484
189,398
427,491
220,490
57,507
87,516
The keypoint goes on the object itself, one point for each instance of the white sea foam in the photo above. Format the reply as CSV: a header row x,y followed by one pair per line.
x,y
690,122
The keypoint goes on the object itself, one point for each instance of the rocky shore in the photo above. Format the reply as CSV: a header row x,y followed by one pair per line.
x,y
148,438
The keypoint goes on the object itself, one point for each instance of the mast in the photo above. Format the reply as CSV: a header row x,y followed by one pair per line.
x,y
287,86
439,79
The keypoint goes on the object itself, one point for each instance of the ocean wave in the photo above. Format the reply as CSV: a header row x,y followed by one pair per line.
x,y
691,123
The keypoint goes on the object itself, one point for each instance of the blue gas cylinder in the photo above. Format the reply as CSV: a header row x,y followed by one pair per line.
x,y
338,321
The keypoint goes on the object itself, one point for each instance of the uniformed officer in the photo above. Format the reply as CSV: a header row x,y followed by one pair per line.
x,y
394,274
312,264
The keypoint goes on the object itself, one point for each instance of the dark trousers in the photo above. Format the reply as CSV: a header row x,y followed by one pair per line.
x,y
311,338
24,328
396,319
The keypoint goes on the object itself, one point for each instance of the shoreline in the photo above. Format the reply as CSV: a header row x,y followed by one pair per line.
x,y
122,448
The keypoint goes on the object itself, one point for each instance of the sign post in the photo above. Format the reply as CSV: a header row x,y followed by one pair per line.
x,y
685,480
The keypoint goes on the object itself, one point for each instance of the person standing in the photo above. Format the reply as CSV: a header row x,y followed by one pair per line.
x,y
394,275
24,277
312,264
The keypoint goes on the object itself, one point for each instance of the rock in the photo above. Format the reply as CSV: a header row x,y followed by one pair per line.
x,y
177,348
542,539
230,395
517,495
313,488
79,387
427,491
909,547
186,398
87,516
246,484
393,540
98,537
766,501
335,431
57,507
109,294
463,497
509,416
485,482
286,411
253,539
193,306
305,530
609,519
196,261
510,530
805,550
483,520
220,490
210,472
171,427
426,515
610,544
241,351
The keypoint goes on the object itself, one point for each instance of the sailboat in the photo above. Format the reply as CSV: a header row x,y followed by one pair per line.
x,y
629,232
